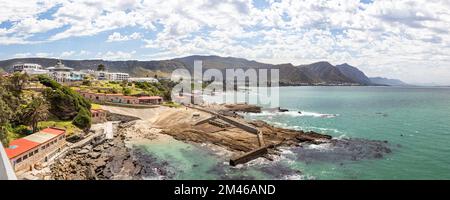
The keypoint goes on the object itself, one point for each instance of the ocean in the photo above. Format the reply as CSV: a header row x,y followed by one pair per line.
x,y
384,133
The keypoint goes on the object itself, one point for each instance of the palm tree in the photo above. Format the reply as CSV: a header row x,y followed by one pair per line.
x,y
35,112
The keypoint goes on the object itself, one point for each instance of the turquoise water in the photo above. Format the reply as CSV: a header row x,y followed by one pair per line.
x,y
415,123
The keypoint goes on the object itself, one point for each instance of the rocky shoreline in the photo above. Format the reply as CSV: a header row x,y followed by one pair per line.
x,y
107,160
112,160
120,159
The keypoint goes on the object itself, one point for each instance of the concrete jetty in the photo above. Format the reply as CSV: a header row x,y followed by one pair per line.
x,y
246,157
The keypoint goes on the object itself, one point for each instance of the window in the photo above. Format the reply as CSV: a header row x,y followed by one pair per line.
x,y
25,157
19,160
30,154
43,147
36,151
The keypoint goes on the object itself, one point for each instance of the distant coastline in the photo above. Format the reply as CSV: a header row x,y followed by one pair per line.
x,y
315,74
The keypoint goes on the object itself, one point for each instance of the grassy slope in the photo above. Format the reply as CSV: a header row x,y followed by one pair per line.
x,y
107,86
54,122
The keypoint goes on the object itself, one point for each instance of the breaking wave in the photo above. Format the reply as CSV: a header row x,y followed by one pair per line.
x,y
293,114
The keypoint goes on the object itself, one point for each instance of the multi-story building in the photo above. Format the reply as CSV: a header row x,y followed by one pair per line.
x,y
101,75
30,69
25,152
117,76
77,75
60,73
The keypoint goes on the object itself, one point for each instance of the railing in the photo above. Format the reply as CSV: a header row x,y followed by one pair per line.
x,y
6,170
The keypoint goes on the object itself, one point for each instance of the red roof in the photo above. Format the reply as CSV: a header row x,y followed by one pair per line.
x,y
150,98
19,146
54,131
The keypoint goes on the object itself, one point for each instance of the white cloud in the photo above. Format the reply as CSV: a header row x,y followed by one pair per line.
x,y
22,55
28,54
43,55
84,53
117,37
401,37
66,54
116,55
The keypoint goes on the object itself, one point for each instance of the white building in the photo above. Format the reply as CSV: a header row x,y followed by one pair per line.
x,y
77,75
149,80
117,76
101,75
30,69
60,73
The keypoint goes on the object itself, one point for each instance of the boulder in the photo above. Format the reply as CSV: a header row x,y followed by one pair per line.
x,y
98,148
83,151
94,155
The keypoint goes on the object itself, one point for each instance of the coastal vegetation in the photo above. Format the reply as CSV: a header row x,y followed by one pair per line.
x,y
11,105
171,104
24,111
66,104
162,88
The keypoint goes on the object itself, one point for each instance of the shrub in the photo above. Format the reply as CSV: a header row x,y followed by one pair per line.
x,y
22,129
65,103
83,119
126,91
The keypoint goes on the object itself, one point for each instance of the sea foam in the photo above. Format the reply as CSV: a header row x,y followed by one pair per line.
x,y
293,114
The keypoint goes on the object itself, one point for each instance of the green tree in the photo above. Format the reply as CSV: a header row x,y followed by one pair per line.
x,y
126,91
5,113
124,83
87,81
64,102
9,102
17,82
34,112
101,67
83,120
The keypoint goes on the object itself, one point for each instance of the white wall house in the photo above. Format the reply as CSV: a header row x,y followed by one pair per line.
x,y
101,75
117,76
30,69
60,73
148,79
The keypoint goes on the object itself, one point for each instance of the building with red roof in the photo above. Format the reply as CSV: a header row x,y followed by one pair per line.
x,y
150,100
98,116
25,152
120,98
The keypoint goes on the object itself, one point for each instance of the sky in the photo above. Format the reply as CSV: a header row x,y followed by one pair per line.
x,y
405,39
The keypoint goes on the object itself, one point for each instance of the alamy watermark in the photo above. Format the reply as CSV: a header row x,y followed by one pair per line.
x,y
236,86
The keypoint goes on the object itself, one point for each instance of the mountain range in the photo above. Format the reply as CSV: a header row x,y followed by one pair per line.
x,y
320,73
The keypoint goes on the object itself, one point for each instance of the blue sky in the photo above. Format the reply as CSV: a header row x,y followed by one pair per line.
x,y
406,39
